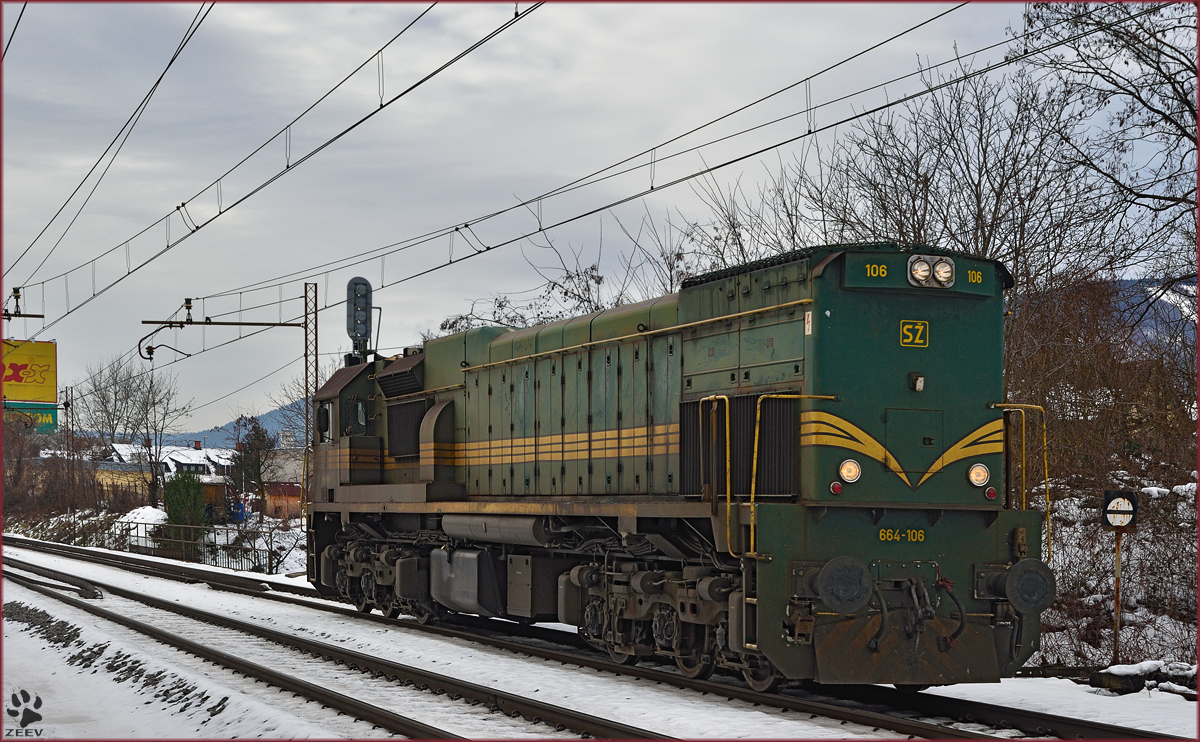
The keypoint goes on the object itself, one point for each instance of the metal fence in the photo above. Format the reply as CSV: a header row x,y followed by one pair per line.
x,y
240,548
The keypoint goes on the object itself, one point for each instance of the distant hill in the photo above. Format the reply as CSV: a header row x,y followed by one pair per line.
x,y
223,437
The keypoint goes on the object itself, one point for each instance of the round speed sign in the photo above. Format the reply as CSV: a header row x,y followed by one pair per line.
x,y
1119,512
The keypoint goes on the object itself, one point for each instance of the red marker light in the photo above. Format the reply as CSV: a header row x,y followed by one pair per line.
x,y
990,492
836,488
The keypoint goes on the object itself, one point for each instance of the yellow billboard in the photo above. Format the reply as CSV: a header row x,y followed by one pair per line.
x,y
30,371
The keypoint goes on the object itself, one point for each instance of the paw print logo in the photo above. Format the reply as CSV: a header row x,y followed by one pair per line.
x,y
21,707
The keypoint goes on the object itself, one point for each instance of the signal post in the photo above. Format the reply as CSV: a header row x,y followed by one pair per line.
x,y
1118,513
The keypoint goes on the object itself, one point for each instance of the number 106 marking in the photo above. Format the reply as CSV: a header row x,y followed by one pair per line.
x,y
895,534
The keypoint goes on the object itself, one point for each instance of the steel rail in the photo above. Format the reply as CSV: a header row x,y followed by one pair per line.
x,y
816,708
509,703
1030,722
179,571
365,711
182,573
80,585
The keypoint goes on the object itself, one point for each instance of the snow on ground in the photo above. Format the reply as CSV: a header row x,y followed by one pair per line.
x,y
1153,710
267,578
112,683
288,545
144,514
641,703
457,717
672,711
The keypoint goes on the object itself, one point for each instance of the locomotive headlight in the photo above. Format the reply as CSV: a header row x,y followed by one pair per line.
x,y
850,470
943,271
920,270
978,474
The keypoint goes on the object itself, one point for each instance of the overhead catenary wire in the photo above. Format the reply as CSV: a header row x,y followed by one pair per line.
x,y
396,247
259,380
708,169
122,135
241,162
14,31
569,186
593,177
170,245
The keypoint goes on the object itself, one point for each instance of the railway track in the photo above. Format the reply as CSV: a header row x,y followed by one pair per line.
x,y
332,699
828,701
452,688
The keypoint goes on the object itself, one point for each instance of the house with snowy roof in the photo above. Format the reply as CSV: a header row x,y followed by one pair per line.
x,y
209,465
212,467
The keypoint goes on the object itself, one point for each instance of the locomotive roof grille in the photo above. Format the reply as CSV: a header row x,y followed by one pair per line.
x,y
401,377
805,252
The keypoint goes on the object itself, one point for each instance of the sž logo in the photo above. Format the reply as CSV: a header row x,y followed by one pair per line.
x,y
23,707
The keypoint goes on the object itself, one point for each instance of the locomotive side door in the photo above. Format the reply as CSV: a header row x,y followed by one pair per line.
x,y
603,420
549,425
576,447
501,450
524,440
662,384
631,374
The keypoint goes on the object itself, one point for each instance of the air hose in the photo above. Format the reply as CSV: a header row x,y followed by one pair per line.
x,y
946,642
873,645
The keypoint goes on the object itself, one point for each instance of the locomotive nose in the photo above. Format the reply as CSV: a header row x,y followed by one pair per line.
x,y
844,585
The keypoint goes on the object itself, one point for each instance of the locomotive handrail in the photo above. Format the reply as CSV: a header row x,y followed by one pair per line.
x,y
644,333
712,427
1024,489
754,465
424,392
1045,458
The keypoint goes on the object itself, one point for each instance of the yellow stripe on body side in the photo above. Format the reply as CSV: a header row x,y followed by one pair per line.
x,y
566,447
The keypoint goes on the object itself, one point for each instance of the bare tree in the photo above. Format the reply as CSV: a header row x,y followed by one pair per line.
x,y
661,261
22,449
253,464
1134,66
289,399
981,165
109,400
571,286
159,412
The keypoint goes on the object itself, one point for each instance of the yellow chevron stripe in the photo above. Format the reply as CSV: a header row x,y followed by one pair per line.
x,y
823,429
989,438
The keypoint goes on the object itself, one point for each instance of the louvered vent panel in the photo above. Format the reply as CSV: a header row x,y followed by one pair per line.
x,y
404,427
404,376
778,455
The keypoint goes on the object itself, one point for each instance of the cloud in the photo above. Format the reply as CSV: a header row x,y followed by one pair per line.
x,y
569,89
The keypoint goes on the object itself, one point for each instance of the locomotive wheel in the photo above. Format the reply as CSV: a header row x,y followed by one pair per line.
x,y
362,604
762,679
393,610
695,667
621,658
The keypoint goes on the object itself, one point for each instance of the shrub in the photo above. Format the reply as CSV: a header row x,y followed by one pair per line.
x,y
184,496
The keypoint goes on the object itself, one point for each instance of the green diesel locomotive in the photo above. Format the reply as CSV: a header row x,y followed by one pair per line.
x,y
795,469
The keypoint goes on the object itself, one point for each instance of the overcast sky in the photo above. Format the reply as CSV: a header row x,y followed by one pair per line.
x,y
567,90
